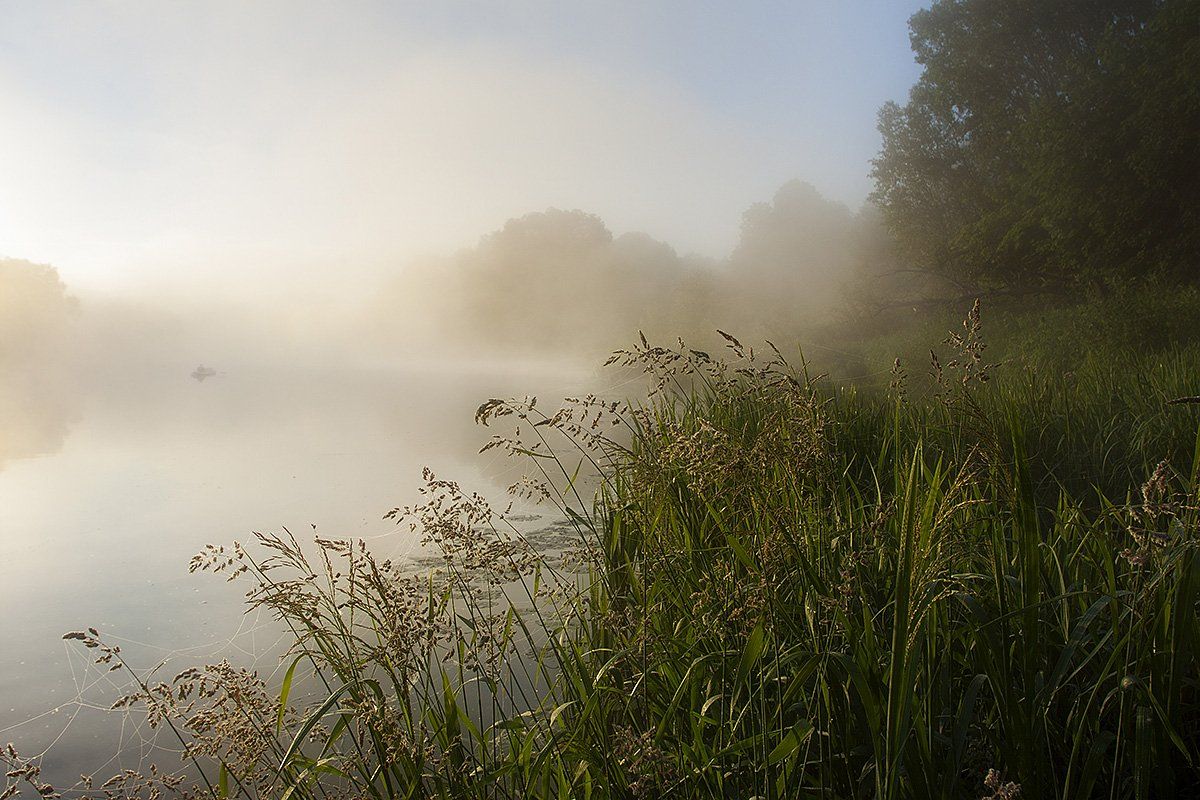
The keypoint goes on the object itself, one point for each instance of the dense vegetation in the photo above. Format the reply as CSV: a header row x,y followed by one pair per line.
x,y
966,579
1048,146
963,573
1047,149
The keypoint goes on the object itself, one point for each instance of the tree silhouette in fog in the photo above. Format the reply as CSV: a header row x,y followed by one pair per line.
x,y
36,315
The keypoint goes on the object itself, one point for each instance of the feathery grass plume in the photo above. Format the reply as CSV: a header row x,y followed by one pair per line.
x,y
785,588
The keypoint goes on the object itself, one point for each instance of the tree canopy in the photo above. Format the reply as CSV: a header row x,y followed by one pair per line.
x,y
1048,145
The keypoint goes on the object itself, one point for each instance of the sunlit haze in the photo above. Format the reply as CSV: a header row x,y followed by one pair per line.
x,y
607,399
214,149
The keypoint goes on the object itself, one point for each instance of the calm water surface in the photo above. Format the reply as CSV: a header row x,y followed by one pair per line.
x,y
99,517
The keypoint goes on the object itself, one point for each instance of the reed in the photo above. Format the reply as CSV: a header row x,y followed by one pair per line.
x,y
981,581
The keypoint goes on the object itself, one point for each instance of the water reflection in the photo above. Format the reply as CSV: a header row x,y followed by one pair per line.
x,y
39,391
157,465
143,457
201,373
34,419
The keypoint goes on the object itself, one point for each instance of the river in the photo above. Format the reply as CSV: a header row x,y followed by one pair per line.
x,y
105,495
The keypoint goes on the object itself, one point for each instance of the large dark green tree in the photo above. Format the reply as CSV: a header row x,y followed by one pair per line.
x,y
1048,144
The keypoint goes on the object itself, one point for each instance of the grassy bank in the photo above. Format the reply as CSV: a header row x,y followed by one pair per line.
x,y
953,580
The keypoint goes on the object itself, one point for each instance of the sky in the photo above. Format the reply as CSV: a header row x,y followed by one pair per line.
x,y
231,147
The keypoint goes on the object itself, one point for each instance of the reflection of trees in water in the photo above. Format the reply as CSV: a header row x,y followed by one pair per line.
x,y
33,421
38,401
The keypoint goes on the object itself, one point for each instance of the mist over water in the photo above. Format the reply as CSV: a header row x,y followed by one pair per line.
x,y
119,465
37,401
672,324
550,290
361,227
137,427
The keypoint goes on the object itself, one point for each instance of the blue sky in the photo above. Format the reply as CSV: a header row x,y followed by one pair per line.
x,y
227,143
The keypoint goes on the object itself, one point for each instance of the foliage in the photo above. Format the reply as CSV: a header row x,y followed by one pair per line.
x,y
983,585
1047,145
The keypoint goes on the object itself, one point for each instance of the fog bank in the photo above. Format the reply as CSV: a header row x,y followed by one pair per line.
x,y
561,281
554,289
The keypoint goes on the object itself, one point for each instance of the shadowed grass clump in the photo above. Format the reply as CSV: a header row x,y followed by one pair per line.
x,y
979,583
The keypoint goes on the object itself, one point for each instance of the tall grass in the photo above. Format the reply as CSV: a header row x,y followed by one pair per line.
x,y
980,582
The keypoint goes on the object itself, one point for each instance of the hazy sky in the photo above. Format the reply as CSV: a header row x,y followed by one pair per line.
x,y
224,146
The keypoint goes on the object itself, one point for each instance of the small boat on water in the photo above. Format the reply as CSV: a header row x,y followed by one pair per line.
x,y
201,372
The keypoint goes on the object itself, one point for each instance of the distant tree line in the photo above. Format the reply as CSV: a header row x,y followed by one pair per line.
x,y
38,396
561,280
1049,145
